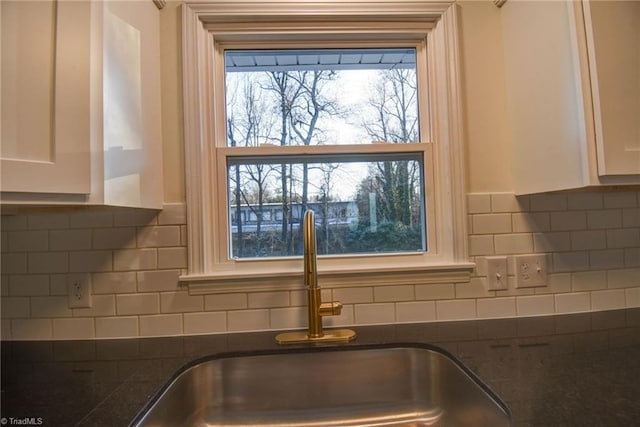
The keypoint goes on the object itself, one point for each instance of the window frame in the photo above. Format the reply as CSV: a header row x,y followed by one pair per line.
x,y
210,27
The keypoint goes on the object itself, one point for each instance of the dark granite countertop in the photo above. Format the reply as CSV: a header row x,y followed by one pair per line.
x,y
571,370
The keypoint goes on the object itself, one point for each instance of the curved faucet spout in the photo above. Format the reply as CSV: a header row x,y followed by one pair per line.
x,y
316,309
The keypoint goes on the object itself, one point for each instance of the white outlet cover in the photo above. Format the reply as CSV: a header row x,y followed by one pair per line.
x,y
79,290
531,270
497,273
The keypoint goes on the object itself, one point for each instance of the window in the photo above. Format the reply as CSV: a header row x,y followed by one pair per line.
x,y
347,109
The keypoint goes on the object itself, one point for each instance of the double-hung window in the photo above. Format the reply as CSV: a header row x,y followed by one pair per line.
x,y
348,109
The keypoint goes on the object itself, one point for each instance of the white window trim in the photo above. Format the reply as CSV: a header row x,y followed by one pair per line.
x,y
207,271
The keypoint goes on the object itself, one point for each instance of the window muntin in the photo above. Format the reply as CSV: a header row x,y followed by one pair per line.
x,y
364,204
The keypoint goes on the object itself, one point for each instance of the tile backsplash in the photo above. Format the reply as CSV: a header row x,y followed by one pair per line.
x,y
132,259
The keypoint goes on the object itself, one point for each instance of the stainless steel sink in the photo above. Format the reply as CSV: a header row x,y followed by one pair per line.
x,y
384,385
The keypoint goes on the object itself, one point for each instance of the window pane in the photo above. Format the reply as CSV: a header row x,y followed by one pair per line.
x,y
326,96
363,204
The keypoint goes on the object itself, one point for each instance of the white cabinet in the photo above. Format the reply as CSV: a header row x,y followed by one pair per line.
x,y
613,47
573,85
81,103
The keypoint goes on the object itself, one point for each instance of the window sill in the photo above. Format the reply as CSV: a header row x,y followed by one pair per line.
x,y
288,280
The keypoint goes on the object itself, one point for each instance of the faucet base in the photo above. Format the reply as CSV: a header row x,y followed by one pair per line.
x,y
329,335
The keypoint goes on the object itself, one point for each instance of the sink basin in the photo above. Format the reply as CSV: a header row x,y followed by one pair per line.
x,y
382,385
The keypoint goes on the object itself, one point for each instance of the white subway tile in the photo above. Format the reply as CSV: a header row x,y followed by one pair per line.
x,y
632,296
585,240
632,257
114,283
27,240
393,293
557,283
14,307
608,300
173,214
489,308
54,306
552,242
416,311
5,330
508,202
345,318
355,295
130,304
135,259
73,329
48,221
268,299
481,245
13,263
475,288
611,218
158,280
548,202
289,318
31,329
90,261
299,297
631,217
573,303
128,217
591,200
172,257
158,236
491,223
48,262
568,221
456,309
623,238
478,203
435,291
528,222
114,238
225,302
180,302
183,235
589,281
605,259
369,314
535,305
205,323
627,199
14,222
70,240
570,261
117,327
101,305
58,284
91,219
248,320
624,278
24,285
520,243
161,325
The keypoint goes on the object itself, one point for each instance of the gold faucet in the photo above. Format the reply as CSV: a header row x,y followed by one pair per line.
x,y
317,309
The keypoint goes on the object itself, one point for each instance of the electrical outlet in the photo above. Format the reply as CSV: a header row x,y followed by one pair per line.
x,y
531,270
79,290
497,273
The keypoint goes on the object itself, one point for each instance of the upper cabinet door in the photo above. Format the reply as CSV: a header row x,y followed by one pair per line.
x,y
45,138
613,40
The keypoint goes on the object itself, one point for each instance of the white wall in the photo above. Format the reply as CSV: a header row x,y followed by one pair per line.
x,y
134,258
